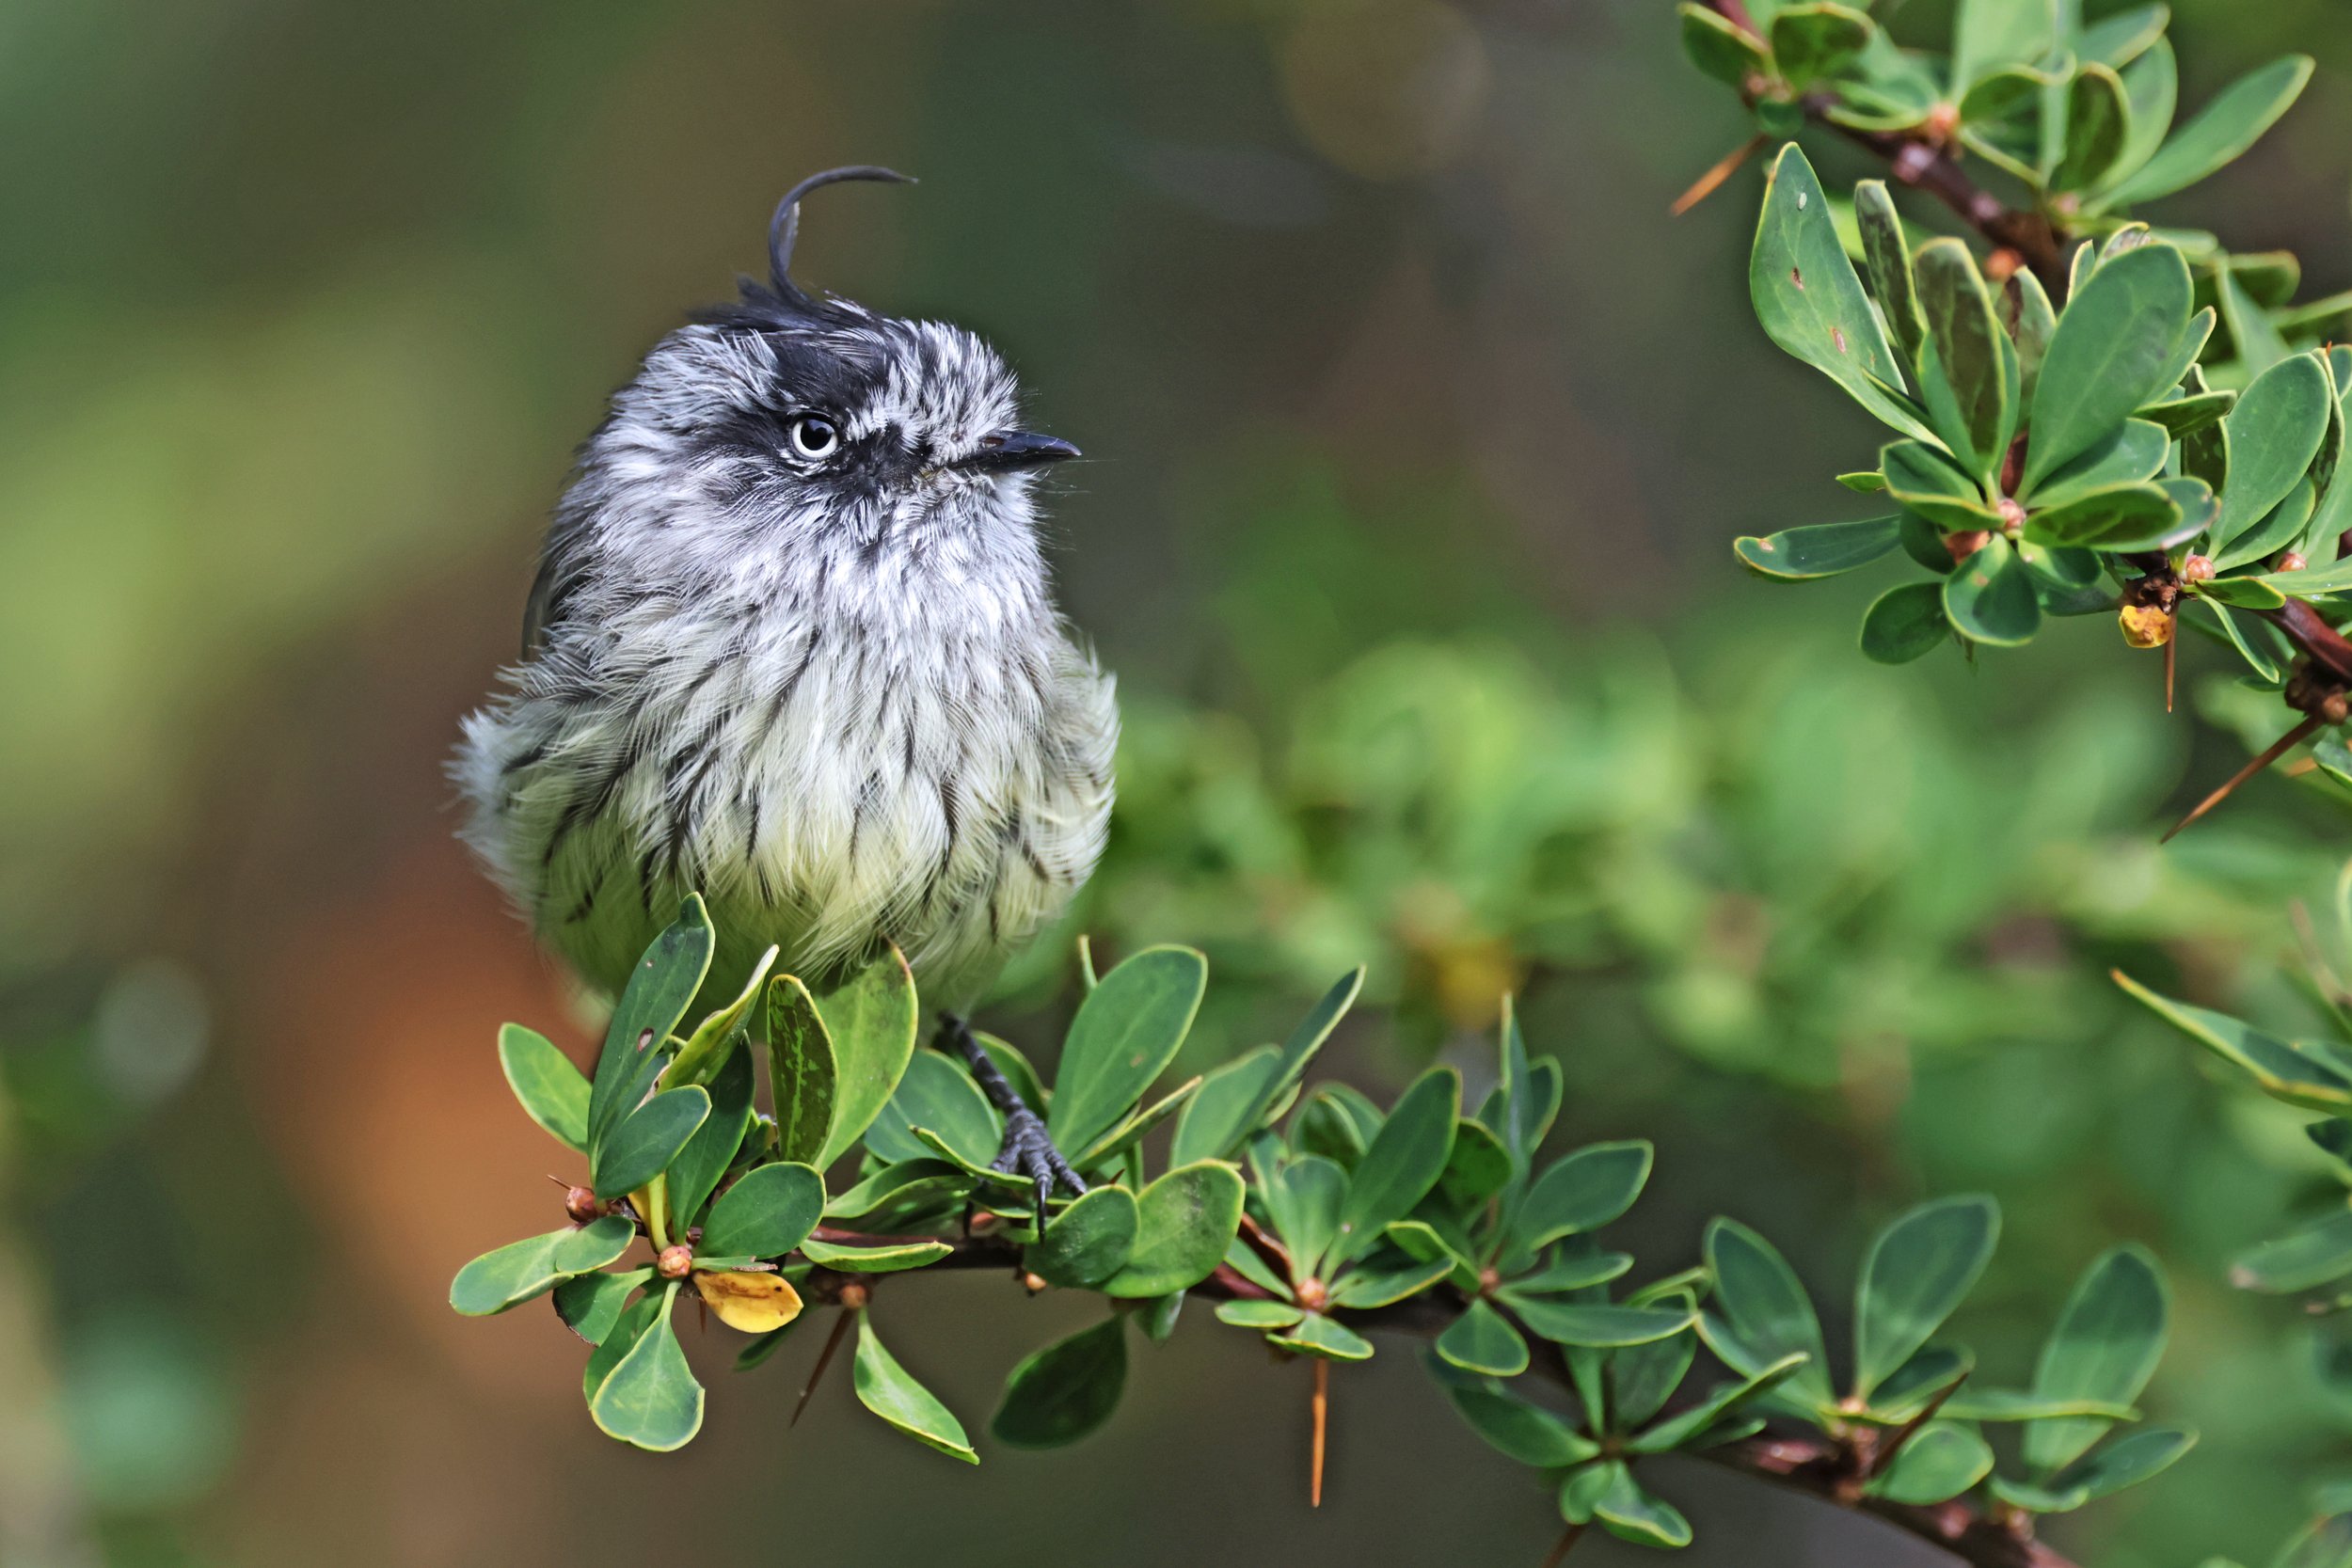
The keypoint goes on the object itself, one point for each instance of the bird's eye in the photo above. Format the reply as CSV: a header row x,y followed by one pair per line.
x,y
814,436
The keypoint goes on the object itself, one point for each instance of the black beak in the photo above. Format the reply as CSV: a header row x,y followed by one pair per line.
x,y
1011,449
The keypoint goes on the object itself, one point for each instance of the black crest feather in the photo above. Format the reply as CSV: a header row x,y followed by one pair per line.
x,y
785,228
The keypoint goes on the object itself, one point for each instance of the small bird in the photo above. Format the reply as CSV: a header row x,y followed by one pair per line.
x,y
793,645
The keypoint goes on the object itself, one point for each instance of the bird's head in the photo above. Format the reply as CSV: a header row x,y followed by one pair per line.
x,y
791,419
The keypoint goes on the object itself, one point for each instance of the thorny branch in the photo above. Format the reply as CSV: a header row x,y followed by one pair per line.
x,y
1924,160
1827,1468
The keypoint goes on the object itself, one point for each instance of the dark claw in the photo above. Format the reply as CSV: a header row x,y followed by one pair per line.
x,y
1028,1149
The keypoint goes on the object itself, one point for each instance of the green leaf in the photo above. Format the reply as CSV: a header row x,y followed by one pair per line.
x,y
2285,1070
2098,128
2275,431
706,1049
2108,354
1886,256
2227,126
2012,1404
1582,1192
1630,1513
2182,415
2127,1461
2105,1348
1364,1288
1813,40
2024,307
2272,532
939,1095
1317,1335
650,1400
1518,1429
1990,598
1065,1391
509,1275
1404,1161
2152,90
1481,1342
1128,1029
1718,48
642,1147
1305,1199
884,1389
1575,1272
800,1070
591,1304
875,1259
1917,1271
1696,1424
1127,1134
2120,516
621,1339
1905,623
1941,1461
1989,34
1809,300
1088,1242
1765,1310
1225,1110
695,1172
659,992
1477,1167
2132,453
552,1091
1338,1122
770,1211
1964,377
2302,1259
1599,1326
903,1196
2118,38
1929,483
1258,1314
870,1020
1183,1223
1819,550
1922,1379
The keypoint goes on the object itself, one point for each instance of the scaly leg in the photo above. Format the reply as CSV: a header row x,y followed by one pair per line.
x,y
1028,1150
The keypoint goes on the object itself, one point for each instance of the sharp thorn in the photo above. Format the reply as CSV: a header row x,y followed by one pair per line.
x,y
1708,183
1561,1547
2276,748
1322,1407
825,1359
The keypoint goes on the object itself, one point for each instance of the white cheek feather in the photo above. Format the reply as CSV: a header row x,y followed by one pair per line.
x,y
848,719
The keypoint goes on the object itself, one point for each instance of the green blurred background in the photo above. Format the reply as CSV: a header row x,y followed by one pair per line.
x,y
1417,434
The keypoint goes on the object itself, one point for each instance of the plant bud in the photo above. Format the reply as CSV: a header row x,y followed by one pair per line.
x,y
2334,708
1312,1294
2197,568
2292,561
2145,625
1967,542
854,1295
581,1203
676,1263
1033,1283
2012,517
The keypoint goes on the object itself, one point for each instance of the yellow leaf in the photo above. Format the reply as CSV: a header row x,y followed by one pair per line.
x,y
755,1302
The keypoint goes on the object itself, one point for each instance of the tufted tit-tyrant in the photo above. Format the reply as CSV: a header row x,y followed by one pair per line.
x,y
792,645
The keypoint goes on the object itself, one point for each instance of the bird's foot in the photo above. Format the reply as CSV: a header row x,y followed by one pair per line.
x,y
1028,1150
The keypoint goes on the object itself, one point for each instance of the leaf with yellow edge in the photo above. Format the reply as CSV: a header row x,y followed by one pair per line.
x,y
699,1058
755,1302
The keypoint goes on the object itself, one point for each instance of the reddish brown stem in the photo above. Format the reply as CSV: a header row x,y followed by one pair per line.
x,y
1806,1462
1723,168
